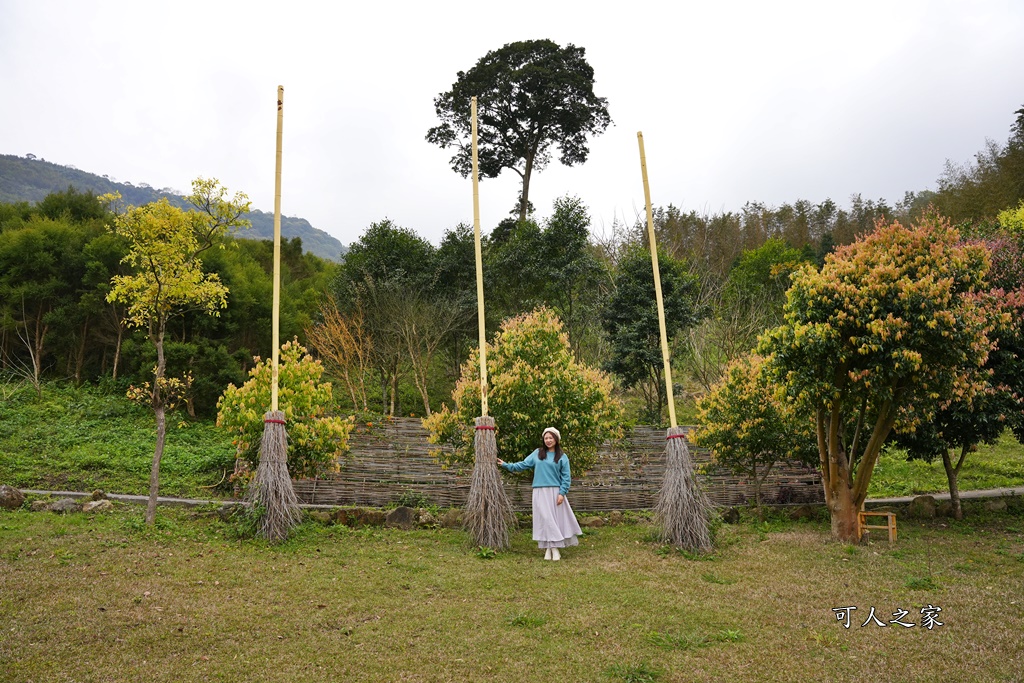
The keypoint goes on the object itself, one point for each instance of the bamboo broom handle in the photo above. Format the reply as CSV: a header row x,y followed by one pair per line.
x,y
657,285
275,337
479,269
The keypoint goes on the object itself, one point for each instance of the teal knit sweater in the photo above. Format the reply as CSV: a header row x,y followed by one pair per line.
x,y
546,472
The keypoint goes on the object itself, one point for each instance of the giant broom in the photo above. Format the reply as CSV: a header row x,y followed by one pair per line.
x,y
488,510
271,494
681,509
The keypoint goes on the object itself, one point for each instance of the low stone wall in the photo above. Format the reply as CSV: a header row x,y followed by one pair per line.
x,y
391,463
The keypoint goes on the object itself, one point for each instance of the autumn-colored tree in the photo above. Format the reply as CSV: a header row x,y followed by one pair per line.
x,y
164,248
534,382
886,329
344,346
422,324
960,425
749,427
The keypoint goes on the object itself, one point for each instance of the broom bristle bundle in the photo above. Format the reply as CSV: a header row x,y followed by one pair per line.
x,y
488,510
682,507
271,494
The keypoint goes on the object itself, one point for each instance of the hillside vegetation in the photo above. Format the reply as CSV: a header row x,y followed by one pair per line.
x,y
27,179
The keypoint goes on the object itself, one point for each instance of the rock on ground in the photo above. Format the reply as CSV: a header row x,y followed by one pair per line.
x,y
922,507
65,505
10,497
731,516
996,505
452,519
358,517
801,512
98,506
402,518
321,516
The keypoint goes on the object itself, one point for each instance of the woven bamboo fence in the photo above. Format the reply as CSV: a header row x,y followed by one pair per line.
x,y
391,463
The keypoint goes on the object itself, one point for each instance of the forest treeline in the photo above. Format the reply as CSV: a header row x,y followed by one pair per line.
x,y
396,319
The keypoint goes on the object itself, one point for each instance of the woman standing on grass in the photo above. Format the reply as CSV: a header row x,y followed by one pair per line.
x,y
554,524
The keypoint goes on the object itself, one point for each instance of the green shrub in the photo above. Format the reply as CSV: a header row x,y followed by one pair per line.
x,y
533,382
316,441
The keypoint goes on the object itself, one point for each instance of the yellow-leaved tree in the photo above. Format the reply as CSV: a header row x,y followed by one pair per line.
x,y
167,279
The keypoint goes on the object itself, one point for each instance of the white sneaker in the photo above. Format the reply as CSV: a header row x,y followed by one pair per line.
x,y
555,554
547,554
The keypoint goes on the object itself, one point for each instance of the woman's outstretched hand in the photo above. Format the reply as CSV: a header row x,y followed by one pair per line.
x,y
561,499
500,462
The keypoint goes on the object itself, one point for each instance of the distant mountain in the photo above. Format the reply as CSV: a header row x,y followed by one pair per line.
x,y
28,179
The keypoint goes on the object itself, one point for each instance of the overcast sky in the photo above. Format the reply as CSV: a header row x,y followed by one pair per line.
x,y
738,101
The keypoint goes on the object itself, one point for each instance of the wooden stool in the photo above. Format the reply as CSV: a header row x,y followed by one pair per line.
x,y
890,523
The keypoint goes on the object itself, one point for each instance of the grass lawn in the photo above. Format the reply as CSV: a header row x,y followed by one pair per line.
x,y
1000,465
103,598
81,439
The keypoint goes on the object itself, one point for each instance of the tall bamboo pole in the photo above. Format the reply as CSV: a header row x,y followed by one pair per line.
x,y
488,510
681,509
276,317
479,268
657,285
271,493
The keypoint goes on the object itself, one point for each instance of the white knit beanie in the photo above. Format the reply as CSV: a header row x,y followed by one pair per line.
x,y
558,434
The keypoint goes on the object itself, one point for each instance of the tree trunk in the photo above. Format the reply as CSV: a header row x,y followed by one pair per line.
x,y
351,389
161,424
394,392
953,477
154,472
845,494
37,354
524,198
117,349
758,484
757,494
421,385
844,514
80,356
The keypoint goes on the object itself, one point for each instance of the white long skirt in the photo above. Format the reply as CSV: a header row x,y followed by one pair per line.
x,y
554,526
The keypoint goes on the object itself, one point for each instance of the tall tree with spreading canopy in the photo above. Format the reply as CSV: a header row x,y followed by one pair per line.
x,y
887,328
531,95
167,278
